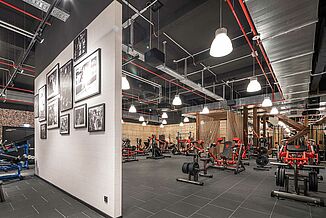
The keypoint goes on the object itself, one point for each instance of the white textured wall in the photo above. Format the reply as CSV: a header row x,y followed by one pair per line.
x,y
88,165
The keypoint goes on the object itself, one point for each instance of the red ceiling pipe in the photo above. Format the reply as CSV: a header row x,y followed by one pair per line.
x,y
249,43
261,47
19,89
15,66
162,77
22,11
15,101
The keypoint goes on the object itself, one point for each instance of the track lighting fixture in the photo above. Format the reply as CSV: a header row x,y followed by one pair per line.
x,y
186,120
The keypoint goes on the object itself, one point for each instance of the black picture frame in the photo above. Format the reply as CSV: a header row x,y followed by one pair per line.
x,y
42,103
36,109
66,92
79,85
53,113
43,131
80,45
50,93
65,124
83,125
93,120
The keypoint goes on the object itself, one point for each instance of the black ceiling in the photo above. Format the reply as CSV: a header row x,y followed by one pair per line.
x,y
191,23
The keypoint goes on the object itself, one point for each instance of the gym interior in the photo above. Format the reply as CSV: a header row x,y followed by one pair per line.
x,y
162,109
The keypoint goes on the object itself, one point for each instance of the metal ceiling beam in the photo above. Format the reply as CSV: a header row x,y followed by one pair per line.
x,y
38,32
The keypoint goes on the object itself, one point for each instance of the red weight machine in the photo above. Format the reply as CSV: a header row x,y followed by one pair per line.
x,y
230,158
299,158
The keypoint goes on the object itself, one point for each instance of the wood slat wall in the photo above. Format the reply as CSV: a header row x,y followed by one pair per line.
x,y
133,131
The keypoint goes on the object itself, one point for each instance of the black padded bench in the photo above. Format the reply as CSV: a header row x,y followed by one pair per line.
x,y
296,148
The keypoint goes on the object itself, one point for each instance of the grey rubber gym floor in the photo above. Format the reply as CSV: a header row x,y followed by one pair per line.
x,y
150,189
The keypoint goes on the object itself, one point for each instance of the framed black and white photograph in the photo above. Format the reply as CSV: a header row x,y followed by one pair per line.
x,y
43,133
80,119
52,82
42,103
53,113
36,106
65,124
66,86
96,118
80,45
87,77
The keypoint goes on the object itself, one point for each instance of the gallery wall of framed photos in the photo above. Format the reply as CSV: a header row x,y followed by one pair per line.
x,y
78,113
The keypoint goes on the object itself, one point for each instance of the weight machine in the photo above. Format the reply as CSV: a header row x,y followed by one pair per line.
x,y
10,162
193,169
298,158
230,158
156,152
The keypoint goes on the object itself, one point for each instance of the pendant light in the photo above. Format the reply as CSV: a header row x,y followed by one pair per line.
x,y
186,120
177,100
254,85
221,45
267,102
164,122
125,83
164,115
161,126
144,123
205,110
132,109
274,111
181,124
202,122
141,119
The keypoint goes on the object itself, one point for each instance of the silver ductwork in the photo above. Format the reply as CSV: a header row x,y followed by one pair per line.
x,y
287,30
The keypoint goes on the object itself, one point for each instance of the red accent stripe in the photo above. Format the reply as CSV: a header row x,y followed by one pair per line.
x,y
15,66
22,11
16,101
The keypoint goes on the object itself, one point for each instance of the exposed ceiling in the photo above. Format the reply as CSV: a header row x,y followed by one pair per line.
x,y
187,27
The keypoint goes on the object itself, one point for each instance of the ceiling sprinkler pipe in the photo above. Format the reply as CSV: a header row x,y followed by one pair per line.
x,y
161,77
250,45
253,29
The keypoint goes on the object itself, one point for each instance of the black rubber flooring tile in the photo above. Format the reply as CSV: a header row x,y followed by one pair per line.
x,y
169,198
196,200
288,208
144,195
183,208
154,205
264,203
226,203
247,213
136,212
165,214
214,211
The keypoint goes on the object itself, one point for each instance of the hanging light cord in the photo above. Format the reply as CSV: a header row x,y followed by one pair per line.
x,y
220,13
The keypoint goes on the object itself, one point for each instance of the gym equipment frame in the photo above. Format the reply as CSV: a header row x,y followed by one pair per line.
x,y
298,157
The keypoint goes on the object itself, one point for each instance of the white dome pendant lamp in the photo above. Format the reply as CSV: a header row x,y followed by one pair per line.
x,y
254,85
221,45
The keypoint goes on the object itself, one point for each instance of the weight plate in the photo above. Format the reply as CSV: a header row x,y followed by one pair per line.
x,y
278,176
191,168
185,168
282,176
313,182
